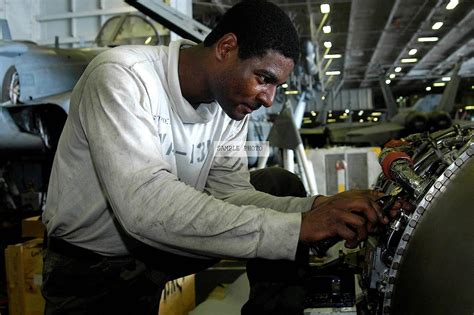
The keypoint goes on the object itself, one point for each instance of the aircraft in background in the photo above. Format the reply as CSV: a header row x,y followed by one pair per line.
x,y
37,81
401,123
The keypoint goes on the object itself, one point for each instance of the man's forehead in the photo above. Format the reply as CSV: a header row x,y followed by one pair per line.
x,y
276,64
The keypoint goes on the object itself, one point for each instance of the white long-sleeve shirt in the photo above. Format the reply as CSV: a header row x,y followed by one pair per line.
x,y
136,159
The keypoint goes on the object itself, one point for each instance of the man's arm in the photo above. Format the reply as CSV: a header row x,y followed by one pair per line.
x,y
350,215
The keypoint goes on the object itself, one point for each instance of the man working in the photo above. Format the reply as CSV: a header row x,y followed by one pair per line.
x,y
138,196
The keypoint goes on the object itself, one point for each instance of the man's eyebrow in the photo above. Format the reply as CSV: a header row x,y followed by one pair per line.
x,y
270,76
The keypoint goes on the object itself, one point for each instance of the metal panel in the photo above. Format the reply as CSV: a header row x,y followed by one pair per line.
x,y
357,171
361,168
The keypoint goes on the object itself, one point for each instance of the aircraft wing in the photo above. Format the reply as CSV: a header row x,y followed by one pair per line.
x,y
383,127
376,135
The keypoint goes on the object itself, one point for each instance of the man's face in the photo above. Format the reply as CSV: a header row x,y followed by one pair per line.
x,y
247,84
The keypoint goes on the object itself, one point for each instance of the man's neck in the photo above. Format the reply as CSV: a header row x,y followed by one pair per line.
x,y
192,72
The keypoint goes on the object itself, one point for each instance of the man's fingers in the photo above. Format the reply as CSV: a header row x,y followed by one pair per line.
x,y
347,234
355,223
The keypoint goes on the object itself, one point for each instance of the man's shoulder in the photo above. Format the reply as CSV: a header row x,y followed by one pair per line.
x,y
129,55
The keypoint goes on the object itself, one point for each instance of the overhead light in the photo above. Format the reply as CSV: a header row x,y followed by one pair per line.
x,y
284,85
428,88
437,25
428,39
398,69
376,114
438,84
392,76
388,81
469,107
148,40
323,97
333,72
446,79
328,44
332,56
325,8
292,92
327,29
412,51
408,60
452,4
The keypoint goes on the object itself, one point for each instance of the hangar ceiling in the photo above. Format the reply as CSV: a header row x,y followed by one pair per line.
x,y
373,38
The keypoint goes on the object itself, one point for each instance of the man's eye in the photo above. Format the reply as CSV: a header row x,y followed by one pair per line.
x,y
262,79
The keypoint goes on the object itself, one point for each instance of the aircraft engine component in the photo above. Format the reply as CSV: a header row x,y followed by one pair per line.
x,y
421,263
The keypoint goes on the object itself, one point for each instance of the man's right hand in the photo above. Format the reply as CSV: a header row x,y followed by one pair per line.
x,y
350,215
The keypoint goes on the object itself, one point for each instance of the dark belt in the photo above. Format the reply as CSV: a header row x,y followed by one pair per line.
x,y
64,248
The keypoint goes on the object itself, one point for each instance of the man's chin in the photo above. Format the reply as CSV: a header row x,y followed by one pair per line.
x,y
236,115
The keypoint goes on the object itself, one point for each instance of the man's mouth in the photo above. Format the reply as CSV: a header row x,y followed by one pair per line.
x,y
250,108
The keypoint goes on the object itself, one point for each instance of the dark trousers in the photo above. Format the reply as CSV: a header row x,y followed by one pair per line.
x,y
78,281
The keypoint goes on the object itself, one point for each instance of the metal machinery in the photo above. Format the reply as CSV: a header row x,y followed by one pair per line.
x,y
423,262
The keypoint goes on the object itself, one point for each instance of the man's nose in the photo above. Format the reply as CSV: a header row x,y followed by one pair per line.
x,y
266,97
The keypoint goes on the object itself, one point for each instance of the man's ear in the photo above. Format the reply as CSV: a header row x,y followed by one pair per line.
x,y
226,45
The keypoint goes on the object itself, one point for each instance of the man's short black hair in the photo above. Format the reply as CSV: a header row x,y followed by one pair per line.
x,y
260,26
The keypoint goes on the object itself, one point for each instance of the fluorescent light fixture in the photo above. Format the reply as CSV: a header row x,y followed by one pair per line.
x,y
333,72
325,8
327,29
327,44
284,85
428,39
392,76
446,79
438,84
388,81
469,107
452,4
398,69
291,92
148,40
437,25
412,51
332,56
428,88
408,60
